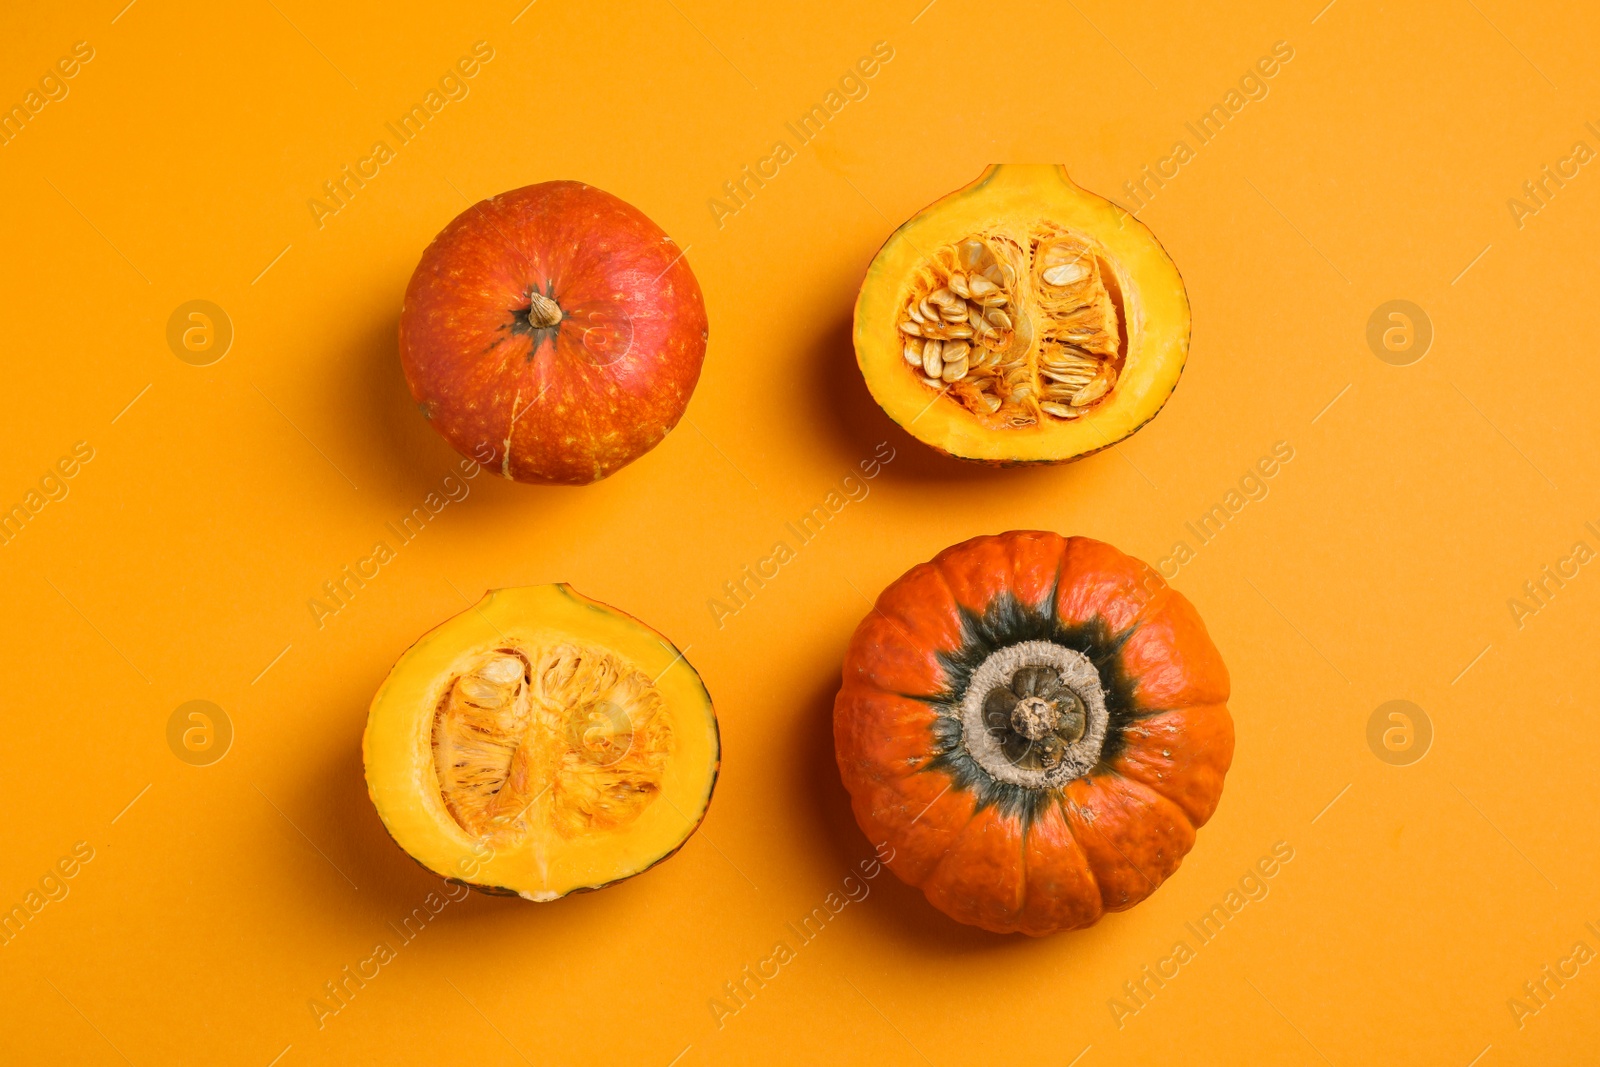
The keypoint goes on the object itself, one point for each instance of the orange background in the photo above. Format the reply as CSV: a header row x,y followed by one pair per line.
x,y
1378,567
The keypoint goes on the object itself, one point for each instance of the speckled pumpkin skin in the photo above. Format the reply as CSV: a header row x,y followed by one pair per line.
x,y
568,405
998,856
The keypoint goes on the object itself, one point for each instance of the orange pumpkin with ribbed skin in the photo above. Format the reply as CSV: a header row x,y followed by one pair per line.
x,y
1036,725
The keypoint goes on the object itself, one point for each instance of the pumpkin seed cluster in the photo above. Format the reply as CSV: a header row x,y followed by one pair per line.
x,y
1017,331
563,738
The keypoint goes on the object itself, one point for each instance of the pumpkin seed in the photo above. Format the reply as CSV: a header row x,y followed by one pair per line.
x,y
481,692
1059,252
931,361
1091,392
913,353
1066,274
502,671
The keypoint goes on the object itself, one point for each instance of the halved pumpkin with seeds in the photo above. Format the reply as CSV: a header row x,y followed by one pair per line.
x,y
1022,319
541,743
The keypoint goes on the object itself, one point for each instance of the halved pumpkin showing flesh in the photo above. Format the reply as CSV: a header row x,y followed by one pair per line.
x,y
541,743
1021,320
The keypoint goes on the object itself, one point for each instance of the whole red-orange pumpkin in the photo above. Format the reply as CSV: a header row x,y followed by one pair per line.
x,y
1036,725
553,333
